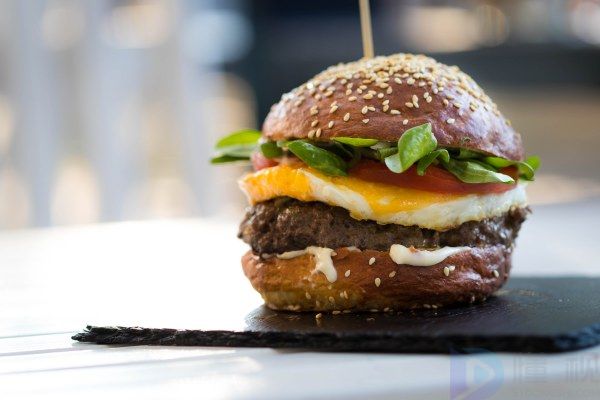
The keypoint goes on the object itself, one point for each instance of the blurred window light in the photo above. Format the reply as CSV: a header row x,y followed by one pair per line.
x,y
15,207
138,24
163,196
585,21
7,125
216,36
76,196
63,24
452,29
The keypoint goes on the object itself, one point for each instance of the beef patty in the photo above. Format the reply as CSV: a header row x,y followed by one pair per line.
x,y
285,224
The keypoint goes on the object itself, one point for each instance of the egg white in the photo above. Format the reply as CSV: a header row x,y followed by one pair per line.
x,y
440,216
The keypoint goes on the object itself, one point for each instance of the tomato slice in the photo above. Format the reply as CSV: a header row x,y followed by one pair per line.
x,y
261,162
436,179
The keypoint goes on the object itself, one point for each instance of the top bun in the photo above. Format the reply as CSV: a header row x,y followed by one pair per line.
x,y
382,97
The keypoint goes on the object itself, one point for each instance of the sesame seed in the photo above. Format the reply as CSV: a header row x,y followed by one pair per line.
x,y
333,109
383,85
359,91
314,110
328,93
348,92
368,96
372,261
457,105
446,102
398,81
385,108
319,316
415,99
452,267
347,273
446,271
386,309
308,296
392,274
331,299
429,99
377,282
425,95
450,120
362,87
366,120
314,123
405,122
380,95
336,312
364,110
409,105
371,108
330,124
421,84
496,273
318,132
395,112
311,133
352,98
346,117
389,90
386,102
410,81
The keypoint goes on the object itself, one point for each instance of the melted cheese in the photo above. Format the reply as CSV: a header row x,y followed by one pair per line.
x,y
376,201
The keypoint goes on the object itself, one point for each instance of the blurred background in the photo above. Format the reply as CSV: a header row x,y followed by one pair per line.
x,y
109,109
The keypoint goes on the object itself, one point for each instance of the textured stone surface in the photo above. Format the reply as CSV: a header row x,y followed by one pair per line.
x,y
529,315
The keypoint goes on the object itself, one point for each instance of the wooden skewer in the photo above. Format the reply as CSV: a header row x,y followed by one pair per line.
x,y
365,25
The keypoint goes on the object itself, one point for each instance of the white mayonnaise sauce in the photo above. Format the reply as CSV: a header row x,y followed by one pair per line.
x,y
421,258
323,261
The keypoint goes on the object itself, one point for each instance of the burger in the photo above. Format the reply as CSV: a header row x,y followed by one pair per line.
x,y
383,184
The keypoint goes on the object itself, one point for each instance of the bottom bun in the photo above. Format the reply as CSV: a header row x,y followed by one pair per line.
x,y
293,284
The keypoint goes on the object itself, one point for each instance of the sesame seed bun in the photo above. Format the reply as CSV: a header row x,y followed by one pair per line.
x,y
382,97
382,285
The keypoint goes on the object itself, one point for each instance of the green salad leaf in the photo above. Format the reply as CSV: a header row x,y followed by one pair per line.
x,y
475,172
226,159
426,161
237,146
356,142
417,145
413,145
271,150
320,159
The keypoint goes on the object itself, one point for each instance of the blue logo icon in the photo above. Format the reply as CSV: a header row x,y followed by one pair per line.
x,y
476,375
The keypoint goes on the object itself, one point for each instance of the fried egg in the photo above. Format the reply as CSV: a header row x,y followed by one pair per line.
x,y
386,204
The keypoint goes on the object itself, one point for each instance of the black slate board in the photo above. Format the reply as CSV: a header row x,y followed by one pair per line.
x,y
529,315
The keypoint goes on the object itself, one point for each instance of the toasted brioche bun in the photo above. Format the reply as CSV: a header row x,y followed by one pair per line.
x,y
459,111
292,284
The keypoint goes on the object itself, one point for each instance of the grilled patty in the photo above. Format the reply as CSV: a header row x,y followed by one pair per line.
x,y
286,224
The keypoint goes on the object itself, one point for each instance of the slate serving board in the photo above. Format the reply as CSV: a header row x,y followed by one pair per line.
x,y
529,315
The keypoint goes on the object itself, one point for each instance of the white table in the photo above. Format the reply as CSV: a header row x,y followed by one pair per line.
x,y
53,282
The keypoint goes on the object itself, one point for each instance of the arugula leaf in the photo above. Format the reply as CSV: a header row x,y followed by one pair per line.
x,y
356,142
226,159
426,161
413,145
318,158
270,149
475,172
